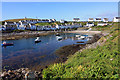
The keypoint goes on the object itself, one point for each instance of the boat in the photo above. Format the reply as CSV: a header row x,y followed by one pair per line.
x,y
37,40
57,34
7,44
59,38
79,42
77,36
89,29
81,37
89,37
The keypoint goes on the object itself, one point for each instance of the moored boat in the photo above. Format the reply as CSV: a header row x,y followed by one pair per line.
x,y
7,44
77,36
37,40
81,37
57,34
59,38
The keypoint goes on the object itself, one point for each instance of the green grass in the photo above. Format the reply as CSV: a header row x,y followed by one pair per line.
x,y
16,20
101,62
0,22
45,24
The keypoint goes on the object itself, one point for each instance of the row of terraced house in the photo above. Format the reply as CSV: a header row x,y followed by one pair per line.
x,y
31,25
100,21
115,19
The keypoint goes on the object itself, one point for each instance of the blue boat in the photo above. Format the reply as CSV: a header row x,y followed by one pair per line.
x,y
6,44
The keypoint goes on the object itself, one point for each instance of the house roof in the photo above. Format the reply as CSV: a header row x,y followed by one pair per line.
x,y
10,22
117,17
98,18
76,18
90,18
106,19
24,23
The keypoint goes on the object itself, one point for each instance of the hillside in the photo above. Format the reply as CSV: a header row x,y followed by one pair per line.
x,y
16,20
99,62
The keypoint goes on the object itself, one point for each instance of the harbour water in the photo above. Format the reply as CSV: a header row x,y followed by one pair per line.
x,y
27,53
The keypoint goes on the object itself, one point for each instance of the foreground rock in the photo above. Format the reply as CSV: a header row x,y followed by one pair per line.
x,y
21,74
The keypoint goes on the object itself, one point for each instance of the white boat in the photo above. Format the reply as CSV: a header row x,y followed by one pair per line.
x,y
81,37
77,35
57,34
59,38
37,40
89,37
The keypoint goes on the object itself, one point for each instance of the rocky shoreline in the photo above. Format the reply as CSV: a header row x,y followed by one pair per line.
x,y
21,74
27,34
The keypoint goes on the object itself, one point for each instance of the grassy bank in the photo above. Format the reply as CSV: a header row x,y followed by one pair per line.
x,y
99,62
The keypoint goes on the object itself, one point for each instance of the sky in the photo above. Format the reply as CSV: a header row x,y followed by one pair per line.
x,y
59,10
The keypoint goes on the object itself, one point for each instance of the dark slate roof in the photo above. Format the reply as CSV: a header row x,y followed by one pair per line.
x,y
98,18
117,17
76,18
105,18
90,18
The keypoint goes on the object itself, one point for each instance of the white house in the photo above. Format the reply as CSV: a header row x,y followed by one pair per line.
x,y
105,19
116,19
53,28
57,26
2,28
39,28
50,20
23,25
76,19
62,21
98,19
32,26
10,26
90,20
102,24
76,25
89,24
54,20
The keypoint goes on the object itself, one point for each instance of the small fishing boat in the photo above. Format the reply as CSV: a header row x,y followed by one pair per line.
x,y
81,37
89,37
77,36
57,34
37,40
7,44
79,42
59,38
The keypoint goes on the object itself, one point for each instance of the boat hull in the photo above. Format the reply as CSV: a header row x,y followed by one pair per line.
x,y
8,44
37,41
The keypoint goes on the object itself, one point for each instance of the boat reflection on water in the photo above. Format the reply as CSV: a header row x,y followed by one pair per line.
x,y
80,39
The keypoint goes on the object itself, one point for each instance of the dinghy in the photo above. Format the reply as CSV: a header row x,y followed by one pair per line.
x,y
7,44
37,40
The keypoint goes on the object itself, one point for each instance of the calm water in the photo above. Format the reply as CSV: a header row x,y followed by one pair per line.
x,y
26,52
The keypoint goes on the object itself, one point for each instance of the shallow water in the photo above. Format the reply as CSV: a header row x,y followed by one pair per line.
x,y
26,53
